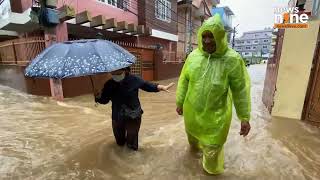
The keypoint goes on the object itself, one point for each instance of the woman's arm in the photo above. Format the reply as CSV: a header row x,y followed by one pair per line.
x,y
148,86
153,87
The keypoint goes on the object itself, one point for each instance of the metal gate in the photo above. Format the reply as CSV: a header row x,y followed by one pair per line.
x,y
312,102
136,69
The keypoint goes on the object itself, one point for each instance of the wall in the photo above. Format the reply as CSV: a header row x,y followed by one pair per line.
x,y
294,70
99,8
152,41
182,34
13,76
308,5
147,16
165,70
19,6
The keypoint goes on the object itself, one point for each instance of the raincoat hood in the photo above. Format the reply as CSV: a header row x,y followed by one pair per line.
x,y
215,26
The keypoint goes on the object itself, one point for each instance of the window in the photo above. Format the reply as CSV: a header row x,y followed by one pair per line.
x,y
254,47
266,40
163,10
265,47
246,53
256,41
122,4
248,42
248,47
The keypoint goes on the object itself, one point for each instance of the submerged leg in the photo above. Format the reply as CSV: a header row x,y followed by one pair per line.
x,y
193,142
119,131
213,160
133,127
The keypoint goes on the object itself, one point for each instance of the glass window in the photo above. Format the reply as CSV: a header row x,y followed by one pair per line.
x,y
163,10
122,4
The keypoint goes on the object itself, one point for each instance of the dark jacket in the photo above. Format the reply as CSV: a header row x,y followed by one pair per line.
x,y
125,92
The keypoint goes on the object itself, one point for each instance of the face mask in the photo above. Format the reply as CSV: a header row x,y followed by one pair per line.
x,y
119,77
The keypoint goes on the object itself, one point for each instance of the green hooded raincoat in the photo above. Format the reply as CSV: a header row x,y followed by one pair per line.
x,y
208,83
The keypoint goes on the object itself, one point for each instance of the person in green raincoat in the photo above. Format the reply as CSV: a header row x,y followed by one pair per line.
x,y
213,77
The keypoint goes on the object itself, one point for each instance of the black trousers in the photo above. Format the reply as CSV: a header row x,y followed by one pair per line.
x,y
127,131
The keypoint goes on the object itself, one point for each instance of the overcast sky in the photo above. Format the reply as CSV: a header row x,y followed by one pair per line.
x,y
253,14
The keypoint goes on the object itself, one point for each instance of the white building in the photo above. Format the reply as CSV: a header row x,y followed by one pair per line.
x,y
254,45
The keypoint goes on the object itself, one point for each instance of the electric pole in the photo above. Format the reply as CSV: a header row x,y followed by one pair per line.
x,y
234,35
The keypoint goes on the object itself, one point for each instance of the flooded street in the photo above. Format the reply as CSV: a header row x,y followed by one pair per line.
x,y
44,139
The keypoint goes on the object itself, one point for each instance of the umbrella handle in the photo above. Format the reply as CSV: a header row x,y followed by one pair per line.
x,y
92,84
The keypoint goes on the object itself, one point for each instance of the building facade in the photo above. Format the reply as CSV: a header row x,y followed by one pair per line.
x,y
191,14
255,45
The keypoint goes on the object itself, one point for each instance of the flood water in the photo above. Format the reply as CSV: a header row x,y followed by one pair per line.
x,y
44,139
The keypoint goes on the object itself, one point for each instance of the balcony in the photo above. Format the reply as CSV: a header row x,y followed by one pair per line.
x,y
19,22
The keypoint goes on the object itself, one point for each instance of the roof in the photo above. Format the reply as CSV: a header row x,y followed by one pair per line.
x,y
260,34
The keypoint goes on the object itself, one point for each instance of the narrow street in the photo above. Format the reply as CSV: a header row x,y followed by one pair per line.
x,y
44,139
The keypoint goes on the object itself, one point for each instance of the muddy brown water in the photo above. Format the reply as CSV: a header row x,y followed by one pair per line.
x,y
44,139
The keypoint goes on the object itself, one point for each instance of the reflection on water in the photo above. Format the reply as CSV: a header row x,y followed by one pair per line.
x,y
44,139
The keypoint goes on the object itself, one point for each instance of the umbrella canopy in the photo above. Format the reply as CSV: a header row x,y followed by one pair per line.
x,y
79,58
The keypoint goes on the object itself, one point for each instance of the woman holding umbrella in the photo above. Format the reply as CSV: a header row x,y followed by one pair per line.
x,y
122,90
94,56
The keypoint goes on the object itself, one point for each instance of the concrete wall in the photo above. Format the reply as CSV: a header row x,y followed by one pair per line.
x,y
13,76
147,16
165,70
19,6
294,70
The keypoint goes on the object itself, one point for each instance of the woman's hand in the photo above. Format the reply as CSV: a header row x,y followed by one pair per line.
x,y
165,88
96,93
179,110
245,128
